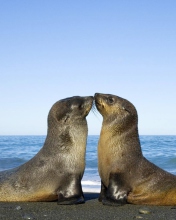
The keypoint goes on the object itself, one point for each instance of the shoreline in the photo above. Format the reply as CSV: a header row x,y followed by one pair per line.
x,y
91,209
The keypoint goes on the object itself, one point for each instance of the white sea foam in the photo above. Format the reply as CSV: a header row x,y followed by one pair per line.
x,y
91,186
90,190
91,183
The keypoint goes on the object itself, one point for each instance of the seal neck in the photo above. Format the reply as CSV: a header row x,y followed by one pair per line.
x,y
126,140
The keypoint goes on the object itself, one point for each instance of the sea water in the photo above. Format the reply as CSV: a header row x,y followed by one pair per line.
x,y
16,150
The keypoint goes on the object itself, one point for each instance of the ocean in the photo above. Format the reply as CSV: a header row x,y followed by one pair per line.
x,y
16,150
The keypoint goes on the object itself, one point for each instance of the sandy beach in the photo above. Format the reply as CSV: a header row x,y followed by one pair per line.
x,y
91,209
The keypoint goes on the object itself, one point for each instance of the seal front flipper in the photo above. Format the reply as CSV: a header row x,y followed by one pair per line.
x,y
76,199
102,195
116,193
71,193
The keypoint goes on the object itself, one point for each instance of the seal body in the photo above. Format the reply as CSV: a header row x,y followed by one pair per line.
x,y
126,175
55,172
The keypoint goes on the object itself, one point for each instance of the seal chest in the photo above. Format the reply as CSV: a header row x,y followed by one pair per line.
x,y
55,172
126,176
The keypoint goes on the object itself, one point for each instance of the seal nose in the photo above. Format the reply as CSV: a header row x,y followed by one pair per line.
x,y
96,94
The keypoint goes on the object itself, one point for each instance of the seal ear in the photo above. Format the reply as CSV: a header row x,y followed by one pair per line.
x,y
124,108
62,113
70,192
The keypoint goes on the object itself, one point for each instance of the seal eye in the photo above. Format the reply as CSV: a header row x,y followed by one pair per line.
x,y
110,100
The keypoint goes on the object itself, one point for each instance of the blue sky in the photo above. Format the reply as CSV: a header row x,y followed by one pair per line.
x,y
56,49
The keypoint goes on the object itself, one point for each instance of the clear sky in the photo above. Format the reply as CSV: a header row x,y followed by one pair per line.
x,y
55,49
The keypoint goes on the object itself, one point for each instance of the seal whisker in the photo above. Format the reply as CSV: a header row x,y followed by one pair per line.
x,y
94,109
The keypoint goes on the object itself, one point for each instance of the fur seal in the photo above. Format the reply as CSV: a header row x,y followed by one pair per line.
x,y
55,172
126,175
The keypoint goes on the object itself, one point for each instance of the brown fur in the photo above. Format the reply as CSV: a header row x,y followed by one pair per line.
x,y
57,169
126,175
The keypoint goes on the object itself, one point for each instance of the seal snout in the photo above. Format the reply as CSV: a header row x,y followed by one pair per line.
x,y
99,101
89,100
96,95
88,103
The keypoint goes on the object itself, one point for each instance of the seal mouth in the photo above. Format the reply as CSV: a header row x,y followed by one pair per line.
x,y
99,105
97,102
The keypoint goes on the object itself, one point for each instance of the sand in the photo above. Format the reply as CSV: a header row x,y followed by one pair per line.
x,y
91,209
